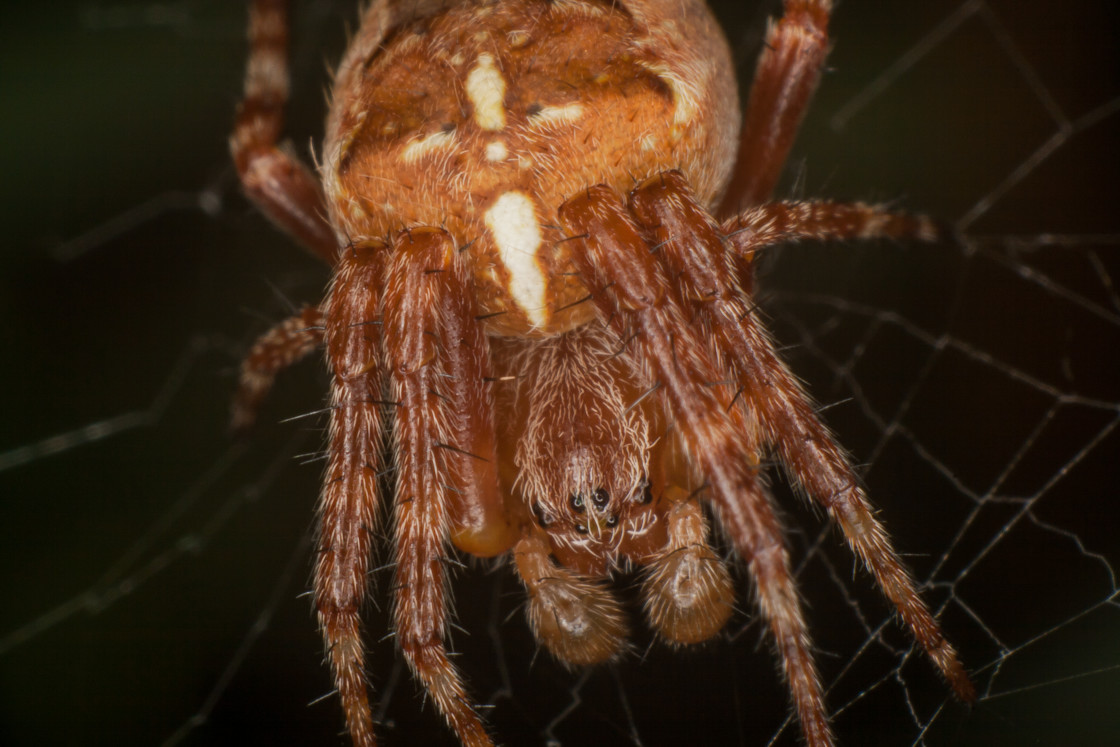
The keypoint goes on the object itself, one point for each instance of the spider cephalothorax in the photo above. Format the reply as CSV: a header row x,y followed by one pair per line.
x,y
567,373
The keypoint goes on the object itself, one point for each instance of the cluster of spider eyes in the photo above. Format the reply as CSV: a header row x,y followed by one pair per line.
x,y
599,499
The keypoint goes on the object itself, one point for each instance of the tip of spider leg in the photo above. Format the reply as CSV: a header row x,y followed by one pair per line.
x,y
965,691
960,682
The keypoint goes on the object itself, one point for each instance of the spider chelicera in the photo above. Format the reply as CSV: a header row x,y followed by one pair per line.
x,y
542,246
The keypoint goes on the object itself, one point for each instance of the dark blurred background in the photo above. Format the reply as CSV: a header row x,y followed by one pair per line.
x,y
977,383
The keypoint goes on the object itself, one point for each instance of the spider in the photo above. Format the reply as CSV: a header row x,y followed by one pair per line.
x,y
541,217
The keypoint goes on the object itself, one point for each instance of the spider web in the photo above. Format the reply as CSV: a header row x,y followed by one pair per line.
x,y
153,571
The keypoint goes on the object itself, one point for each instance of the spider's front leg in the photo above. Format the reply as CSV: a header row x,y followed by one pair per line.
x,y
433,353
349,499
631,290
693,250
429,311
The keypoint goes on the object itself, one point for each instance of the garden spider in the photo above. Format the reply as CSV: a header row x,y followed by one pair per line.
x,y
485,262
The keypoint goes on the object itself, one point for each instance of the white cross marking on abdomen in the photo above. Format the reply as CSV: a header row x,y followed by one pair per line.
x,y
512,221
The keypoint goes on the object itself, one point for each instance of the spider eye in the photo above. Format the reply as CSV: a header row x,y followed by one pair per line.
x,y
612,521
600,498
581,528
542,518
575,500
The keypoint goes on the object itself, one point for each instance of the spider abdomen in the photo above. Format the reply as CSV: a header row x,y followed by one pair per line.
x,y
485,118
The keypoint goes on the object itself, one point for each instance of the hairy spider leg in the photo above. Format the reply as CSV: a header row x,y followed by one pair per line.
x,y
480,524
349,503
284,345
632,290
693,250
284,189
424,279
784,81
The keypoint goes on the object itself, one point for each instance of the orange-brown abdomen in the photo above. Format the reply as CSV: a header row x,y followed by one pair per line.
x,y
484,118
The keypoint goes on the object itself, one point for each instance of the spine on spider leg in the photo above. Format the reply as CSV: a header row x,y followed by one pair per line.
x,y
419,277
693,250
349,500
612,253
